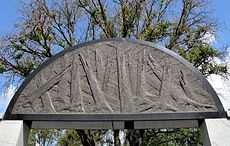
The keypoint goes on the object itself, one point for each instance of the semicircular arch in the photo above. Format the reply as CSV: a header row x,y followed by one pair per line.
x,y
117,77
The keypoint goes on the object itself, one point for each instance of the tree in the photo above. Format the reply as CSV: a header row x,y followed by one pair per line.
x,y
81,137
47,27
164,137
43,137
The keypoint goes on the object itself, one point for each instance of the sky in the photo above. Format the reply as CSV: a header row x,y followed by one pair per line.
x,y
220,10
8,15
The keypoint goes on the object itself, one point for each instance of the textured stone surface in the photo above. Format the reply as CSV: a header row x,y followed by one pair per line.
x,y
215,132
13,133
114,77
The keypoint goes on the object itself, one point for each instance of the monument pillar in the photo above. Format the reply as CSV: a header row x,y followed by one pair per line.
x,y
14,133
215,132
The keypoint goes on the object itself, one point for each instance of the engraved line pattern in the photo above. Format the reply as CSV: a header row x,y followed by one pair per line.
x,y
115,77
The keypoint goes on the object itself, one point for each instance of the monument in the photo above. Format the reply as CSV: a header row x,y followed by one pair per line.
x,y
116,84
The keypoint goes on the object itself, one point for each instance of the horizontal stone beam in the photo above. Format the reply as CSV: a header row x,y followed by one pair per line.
x,y
115,124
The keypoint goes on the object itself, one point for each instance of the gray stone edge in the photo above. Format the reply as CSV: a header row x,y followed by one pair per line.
x,y
113,117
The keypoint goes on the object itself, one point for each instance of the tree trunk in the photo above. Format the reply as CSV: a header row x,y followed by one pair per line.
x,y
116,137
85,140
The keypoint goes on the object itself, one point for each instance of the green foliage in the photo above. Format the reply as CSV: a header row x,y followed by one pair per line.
x,y
201,57
2,68
80,137
17,46
95,13
52,15
50,37
69,138
43,137
164,137
157,33
128,19
172,137
60,24
19,55
212,68
36,37
47,28
25,67
134,137
22,40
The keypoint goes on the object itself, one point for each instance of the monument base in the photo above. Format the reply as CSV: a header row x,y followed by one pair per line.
x,y
13,133
215,132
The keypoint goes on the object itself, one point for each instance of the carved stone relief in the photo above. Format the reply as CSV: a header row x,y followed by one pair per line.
x,y
114,77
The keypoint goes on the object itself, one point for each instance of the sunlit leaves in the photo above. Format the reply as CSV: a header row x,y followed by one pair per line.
x,y
158,32
19,55
22,40
52,15
69,138
25,67
44,137
201,57
172,137
2,68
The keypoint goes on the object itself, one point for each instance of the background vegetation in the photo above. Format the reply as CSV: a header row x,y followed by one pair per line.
x,y
47,27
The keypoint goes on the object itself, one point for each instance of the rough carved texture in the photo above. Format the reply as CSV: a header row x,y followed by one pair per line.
x,y
114,77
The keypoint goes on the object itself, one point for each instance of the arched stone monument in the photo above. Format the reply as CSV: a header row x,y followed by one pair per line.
x,y
115,83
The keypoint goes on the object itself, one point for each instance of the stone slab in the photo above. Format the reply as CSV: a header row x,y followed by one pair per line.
x,y
115,124
78,125
115,76
215,132
13,133
165,124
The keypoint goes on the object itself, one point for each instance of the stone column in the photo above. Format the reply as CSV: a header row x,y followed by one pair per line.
x,y
215,132
13,133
